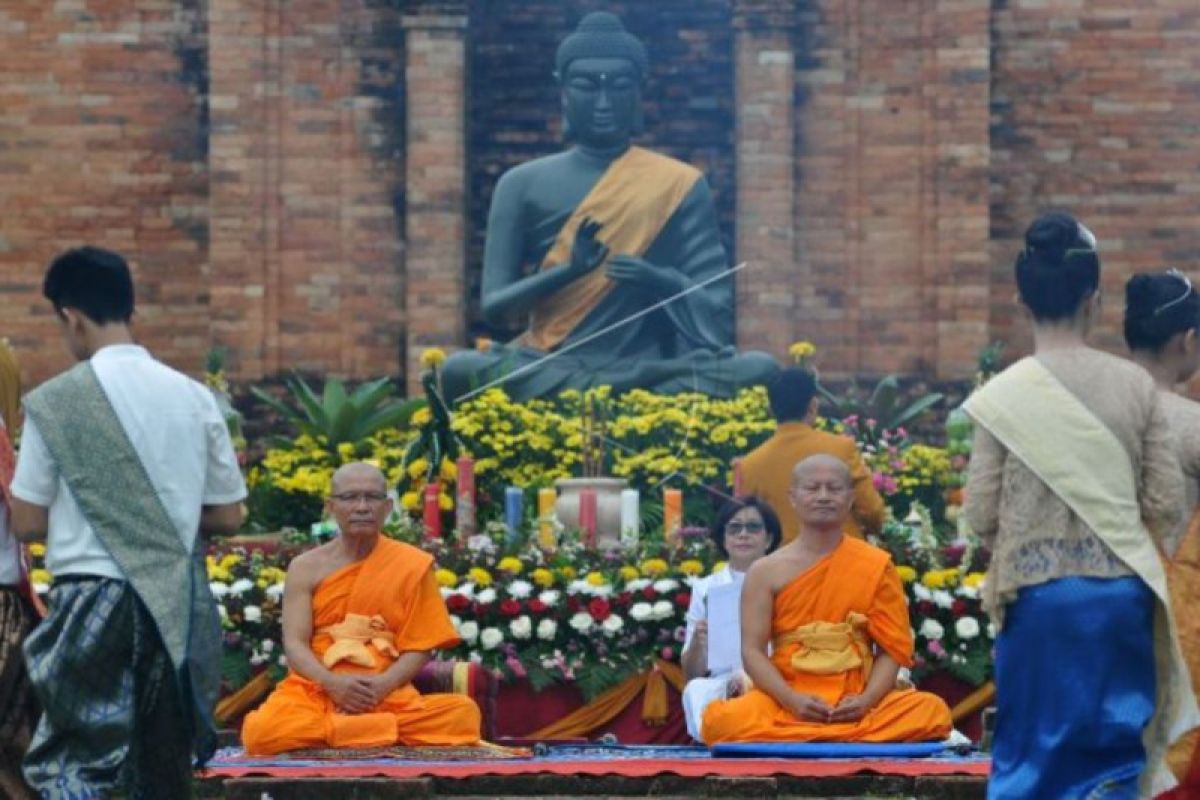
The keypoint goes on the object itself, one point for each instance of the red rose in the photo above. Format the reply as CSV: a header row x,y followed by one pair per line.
x,y
623,599
538,607
649,593
926,608
599,609
959,608
457,602
683,599
573,603
510,608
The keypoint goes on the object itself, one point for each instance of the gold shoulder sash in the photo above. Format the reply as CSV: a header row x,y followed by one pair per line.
x,y
633,201
1076,455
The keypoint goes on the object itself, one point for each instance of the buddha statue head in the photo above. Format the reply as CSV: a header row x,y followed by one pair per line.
x,y
600,68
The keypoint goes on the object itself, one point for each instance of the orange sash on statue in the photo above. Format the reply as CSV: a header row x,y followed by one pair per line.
x,y
633,201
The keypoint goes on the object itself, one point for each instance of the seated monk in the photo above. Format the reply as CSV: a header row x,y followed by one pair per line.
x,y
833,610
360,617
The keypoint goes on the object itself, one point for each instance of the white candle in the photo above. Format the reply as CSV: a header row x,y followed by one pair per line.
x,y
630,517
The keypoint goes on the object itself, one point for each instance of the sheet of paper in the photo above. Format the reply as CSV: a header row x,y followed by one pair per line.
x,y
724,628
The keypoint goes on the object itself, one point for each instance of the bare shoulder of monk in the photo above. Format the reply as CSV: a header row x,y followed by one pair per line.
x,y
313,566
782,567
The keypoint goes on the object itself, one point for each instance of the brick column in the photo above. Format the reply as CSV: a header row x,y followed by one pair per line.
x,y
435,217
766,191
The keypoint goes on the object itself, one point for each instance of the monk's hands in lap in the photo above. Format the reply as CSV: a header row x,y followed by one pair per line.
x,y
851,708
587,252
351,694
809,707
639,272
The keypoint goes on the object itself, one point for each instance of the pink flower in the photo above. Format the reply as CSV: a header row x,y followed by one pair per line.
x,y
935,648
518,669
668,653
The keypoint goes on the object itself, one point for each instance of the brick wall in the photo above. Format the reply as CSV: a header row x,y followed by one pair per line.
x,y
252,157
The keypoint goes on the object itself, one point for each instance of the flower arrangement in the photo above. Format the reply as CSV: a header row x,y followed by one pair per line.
x,y
248,588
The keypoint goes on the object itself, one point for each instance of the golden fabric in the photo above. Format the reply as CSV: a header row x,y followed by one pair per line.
x,y
855,580
767,473
633,201
826,648
396,583
606,706
350,639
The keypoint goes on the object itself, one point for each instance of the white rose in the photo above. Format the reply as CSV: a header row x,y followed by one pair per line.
x,y
603,590
275,591
550,597
666,585
257,658
991,630
921,592
282,660
663,610
241,586
222,612
612,625
467,590
969,592
547,629
252,613
932,629
637,584
469,631
967,628
491,638
520,589
521,627
456,621
943,599
641,612
579,586
445,591
480,543
218,589
268,646
582,621
486,596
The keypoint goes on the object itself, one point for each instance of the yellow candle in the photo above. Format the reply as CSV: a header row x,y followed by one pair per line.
x,y
672,515
546,497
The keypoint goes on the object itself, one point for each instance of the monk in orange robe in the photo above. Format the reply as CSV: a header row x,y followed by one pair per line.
x,y
767,470
833,610
360,617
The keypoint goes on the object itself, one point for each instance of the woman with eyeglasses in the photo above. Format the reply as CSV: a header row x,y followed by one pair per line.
x,y
745,530
1072,473
1162,316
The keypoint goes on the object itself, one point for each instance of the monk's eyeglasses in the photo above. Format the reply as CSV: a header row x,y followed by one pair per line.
x,y
1187,291
734,528
354,498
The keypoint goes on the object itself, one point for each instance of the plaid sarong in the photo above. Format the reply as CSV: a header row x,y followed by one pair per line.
x,y
18,708
111,710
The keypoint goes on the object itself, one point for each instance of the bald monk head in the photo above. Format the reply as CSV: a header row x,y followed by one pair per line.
x,y
359,501
822,493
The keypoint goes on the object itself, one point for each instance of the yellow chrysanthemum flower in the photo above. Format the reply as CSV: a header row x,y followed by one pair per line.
x,y
37,550
691,567
907,574
717,567
802,350
568,573
422,416
511,564
629,573
445,577
974,580
653,567
595,579
433,357
418,468
543,577
445,502
39,576
410,500
934,579
480,576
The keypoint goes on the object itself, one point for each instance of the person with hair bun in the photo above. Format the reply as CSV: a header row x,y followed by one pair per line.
x,y
1072,478
1162,315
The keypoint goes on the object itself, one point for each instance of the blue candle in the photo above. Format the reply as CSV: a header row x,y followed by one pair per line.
x,y
514,497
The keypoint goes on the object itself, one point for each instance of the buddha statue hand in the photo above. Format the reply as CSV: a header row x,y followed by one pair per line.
x,y
587,252
660,281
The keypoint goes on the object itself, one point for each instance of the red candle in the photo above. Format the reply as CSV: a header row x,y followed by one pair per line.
x,y
587,516
738,484
433,512
464,505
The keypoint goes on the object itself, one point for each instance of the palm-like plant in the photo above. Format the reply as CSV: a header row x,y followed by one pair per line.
x,y
337,416
885,404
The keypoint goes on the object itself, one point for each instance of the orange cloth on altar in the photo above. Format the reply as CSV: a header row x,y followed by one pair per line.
x,y
1183,581
822,626
767,474
396,583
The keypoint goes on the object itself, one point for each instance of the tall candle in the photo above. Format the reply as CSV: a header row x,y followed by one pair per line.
x,y
546,498
433,512
514,500
631,520
587,516
739,486
464,500
672,515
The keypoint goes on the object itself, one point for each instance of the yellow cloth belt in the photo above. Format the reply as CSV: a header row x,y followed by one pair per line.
x,y
827,648
350,638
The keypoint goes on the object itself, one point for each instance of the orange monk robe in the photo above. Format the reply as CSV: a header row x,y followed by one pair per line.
x,y
855,579
1183,580
396,582
767,473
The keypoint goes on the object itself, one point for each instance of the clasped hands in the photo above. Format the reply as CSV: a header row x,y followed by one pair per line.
x,y
357,694
811,708
587,253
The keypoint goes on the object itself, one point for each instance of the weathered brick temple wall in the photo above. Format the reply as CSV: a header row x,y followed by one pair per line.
x,y
305,182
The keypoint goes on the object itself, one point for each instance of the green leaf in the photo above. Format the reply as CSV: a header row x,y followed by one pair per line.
x,y
394,415
916,409
371,394
309,403
883,398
